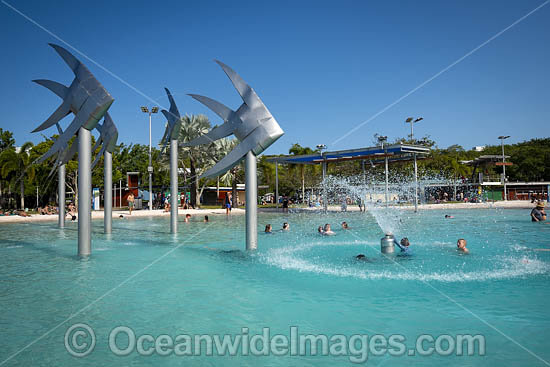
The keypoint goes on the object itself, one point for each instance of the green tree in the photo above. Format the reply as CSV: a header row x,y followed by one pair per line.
x,y
297,149
18,165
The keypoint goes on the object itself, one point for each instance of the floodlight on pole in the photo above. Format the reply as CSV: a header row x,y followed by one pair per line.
x,y
322,147
502,138
154,109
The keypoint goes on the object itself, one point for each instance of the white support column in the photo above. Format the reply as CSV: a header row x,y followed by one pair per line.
x,y
251,186
173,186
84,192
61,195
108,192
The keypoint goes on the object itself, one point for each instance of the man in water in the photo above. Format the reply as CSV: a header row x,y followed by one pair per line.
x,y
345,225
461,246
286,227
404,246
538,214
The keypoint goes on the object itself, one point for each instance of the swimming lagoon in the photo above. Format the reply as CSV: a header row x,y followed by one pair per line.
x,y
201,281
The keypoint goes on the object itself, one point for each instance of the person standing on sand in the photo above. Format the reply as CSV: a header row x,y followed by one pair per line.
x,y
227,203
131,199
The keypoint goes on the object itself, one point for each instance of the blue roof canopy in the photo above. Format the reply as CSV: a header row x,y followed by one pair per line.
x,y
397,152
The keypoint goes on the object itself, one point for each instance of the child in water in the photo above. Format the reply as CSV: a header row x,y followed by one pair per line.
x,y
320,230
404,246
268,229
461,246
286,227
327,231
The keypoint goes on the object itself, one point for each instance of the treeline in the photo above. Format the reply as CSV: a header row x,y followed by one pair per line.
x,y
20,179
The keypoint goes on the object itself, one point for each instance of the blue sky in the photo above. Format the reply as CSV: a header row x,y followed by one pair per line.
x,y
321,67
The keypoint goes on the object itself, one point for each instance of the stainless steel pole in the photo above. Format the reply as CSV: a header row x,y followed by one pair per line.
x,y
386,189
150,169
251,187
325,203
504,170
277,185
120,194
174,186
108,192
84,192
61,195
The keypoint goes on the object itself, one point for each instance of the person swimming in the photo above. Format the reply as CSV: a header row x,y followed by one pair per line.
x,y
362,257
327,231
461,246
205,219
268,229
320,230
345,225
404,246
286,227
448,216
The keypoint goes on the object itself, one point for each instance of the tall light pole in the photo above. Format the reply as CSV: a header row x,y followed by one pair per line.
x,y
382,140
322,147
502,137
150,167
412,121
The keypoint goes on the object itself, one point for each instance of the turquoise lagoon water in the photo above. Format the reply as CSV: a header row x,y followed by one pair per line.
x,y
201,282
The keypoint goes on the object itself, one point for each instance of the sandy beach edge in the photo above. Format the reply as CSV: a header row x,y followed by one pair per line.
x,y
517,204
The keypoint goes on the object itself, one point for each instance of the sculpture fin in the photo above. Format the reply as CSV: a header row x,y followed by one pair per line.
x,y
173,107
219,108
98,156
233,158
59,89
63,110
247,93
79,69
216,133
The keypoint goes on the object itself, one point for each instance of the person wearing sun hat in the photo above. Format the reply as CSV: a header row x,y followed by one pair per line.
x,y
538,214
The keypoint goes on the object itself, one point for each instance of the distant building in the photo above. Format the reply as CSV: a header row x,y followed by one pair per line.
x,y
479,148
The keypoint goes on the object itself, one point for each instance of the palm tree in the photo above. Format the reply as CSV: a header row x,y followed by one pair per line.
x,y
200,157
297,149
225,146
18,164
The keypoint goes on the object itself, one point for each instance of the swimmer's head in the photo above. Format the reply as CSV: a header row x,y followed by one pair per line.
x,y
286,225
405,242
268,227
327,227
461,243
360,256
320,229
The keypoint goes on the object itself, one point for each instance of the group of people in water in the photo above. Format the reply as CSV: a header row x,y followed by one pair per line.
x,y
404,245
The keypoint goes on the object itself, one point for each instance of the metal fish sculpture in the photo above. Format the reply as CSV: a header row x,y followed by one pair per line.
x,y
173,126
108,135
108,131
252,124
85,97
